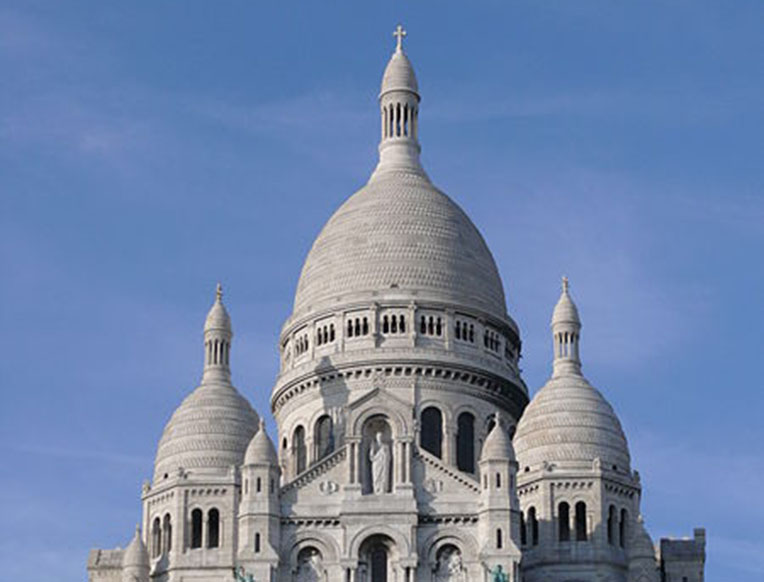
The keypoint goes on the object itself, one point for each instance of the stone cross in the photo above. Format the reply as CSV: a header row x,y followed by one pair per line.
x,y
399,34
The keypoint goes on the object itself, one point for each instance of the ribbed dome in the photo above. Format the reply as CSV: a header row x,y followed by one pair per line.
x,y
399,236
209,430
565,312
136,554
570,423
399,75
261,449
497,446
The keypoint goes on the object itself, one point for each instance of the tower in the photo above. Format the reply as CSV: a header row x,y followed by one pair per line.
x,y
578,494
189,507
499,508
259,513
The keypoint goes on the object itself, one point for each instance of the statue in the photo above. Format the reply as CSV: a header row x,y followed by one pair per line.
x,y
379,457
498,574
449,567
242,576
309,568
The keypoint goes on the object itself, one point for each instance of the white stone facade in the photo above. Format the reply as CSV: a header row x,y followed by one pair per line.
x,y
398,392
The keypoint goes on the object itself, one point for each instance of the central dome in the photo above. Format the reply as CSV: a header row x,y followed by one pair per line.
x,y
399,235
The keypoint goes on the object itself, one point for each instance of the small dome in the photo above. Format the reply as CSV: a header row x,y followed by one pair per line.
x,y
400,236
399,75
218,318
261,449
209,430
136,553
641,545
569,422
565,312
497,446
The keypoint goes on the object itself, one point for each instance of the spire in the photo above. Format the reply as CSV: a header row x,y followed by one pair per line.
x,y
566,333
217,341
399,111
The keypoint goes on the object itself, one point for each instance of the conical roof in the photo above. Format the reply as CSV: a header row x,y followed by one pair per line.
x,y
261,449
217,317
497,446
136,553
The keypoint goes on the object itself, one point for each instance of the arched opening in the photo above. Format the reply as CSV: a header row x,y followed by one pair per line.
x,y
298,450
622,528
196,528
385,324
465,442
563,521
448,564
257,543
324,437
431,434
213,528
375,557
156,538
394,324
167,533
533,526
310,565
611,521
580,521
499,539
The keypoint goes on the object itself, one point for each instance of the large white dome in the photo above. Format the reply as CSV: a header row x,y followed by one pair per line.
x,y
570,422
209,430
399,235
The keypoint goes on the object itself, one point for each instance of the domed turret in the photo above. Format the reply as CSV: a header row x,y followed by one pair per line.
x,y
135,560
497,446
212,427
568,421
261,449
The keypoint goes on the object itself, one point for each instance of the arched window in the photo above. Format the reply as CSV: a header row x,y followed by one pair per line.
x,y
298,450
533,525
394,324
499,539
611,521
465,442
258,485
213,528
580,521
167,533
324,437
385,325
458,331
350,328
431,434
156,538
498,480
423,325
257,543
196,528
563,519
622,528
365,326
523,530
331,332
402,324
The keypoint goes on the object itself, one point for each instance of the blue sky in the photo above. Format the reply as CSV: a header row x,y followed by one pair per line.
x,y
150,149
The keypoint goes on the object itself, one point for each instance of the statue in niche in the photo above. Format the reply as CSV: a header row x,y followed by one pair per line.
x,y
449,567
498,574
309,566
379,458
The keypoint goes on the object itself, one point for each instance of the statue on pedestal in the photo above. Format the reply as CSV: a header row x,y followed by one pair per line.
x,y
379,457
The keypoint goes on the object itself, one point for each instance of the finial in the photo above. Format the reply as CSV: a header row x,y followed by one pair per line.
x,y
219,293
565,284
399,34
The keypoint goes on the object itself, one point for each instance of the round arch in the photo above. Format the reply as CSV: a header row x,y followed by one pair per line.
x,y
400,543
398,423
325,544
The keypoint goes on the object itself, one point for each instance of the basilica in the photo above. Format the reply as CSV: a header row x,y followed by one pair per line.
x,y
407,448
